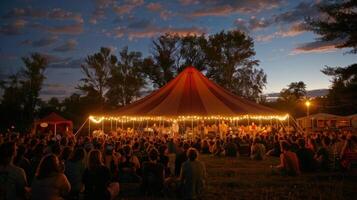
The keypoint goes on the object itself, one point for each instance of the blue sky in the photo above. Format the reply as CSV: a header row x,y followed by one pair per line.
x,y
66,31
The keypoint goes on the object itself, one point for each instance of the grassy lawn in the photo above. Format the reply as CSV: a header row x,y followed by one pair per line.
x,y
242,178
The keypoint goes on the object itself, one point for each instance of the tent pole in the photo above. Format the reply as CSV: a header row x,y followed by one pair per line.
x,y
111,125
89,127
55,128
116,124
288,123
192,125
81,127
103,126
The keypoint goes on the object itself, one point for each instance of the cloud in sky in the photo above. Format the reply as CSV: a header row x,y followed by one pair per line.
x,y
71,29
227,7
154,7
127,7
15,27
55,14
42,42
69,45
54,59
153,31
316,47
67,63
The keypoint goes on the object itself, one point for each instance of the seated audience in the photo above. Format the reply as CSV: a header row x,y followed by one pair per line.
x,y
305,156
50,182
13,180
74,169
97,179
257,150
289,162
153,174
192,176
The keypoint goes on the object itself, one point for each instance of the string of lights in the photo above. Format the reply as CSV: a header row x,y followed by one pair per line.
x,y
99,119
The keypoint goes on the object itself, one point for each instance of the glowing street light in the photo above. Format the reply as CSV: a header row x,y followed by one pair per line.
x,y
307,103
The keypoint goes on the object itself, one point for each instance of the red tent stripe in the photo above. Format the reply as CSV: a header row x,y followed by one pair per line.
x,y
191,93
191,102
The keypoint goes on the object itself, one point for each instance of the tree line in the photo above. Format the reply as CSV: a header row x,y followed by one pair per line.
x,y
111,81
227,57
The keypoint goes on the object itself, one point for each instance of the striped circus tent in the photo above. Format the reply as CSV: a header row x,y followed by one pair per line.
x,y
193,94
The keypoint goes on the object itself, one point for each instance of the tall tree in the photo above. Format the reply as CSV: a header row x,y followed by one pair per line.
x,y
126,78
161,66
97,72
231,63
342,97
191,52
12,103
32,79
291,98
337,22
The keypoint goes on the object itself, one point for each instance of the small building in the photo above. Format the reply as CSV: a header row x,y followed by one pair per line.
x,y
321,121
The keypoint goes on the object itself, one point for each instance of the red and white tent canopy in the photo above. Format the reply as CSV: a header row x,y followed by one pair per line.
x,y
193,94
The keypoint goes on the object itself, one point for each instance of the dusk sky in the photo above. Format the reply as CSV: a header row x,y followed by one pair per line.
x,y
66,31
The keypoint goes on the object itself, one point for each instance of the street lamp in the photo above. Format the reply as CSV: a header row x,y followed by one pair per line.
x,y
307,103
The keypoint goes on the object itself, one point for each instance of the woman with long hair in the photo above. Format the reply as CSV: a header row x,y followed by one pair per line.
x,y
50,182
97,179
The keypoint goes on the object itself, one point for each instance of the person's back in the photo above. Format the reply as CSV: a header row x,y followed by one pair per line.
x,y
291,163
50,182
12,181
95,182
74,171
153,174
231,149
53,187
305,156
257,150
193,175
12,178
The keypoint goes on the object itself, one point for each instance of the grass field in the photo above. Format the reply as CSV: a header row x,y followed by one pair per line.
x,y
242,178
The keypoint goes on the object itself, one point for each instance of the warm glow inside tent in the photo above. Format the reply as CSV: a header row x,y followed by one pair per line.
x,y
55,123
191,96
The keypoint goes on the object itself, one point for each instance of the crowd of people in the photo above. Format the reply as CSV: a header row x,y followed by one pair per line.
x,y
95,167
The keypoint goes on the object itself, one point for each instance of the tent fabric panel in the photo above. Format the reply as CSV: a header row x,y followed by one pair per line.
x,y
191,93
241,103
169,106
212,104
191,102
143,106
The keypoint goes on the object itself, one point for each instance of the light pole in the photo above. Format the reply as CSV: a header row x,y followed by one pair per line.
x,y
307,103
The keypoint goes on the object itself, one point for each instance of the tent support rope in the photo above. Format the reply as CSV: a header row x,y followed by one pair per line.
x,y
80,128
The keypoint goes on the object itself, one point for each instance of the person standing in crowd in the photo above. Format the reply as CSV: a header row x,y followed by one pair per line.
x,y
193,175
50,182
13,180
97,179
74,169
153,174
